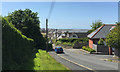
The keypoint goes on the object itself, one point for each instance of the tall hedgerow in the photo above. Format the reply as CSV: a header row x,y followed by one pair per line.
x,y
17,50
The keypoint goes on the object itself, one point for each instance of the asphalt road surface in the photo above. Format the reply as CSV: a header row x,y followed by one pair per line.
x,y
74,59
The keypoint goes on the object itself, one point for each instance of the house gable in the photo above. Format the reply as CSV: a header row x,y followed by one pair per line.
x,y
101,32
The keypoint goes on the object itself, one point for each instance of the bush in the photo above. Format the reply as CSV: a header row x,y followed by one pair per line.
x,y
85,40
17,50
87,48
58,42
50,47
67,43
76,41
101,42
68,39
71,41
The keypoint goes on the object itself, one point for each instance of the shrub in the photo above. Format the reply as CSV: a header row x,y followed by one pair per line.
x,y
87,48
17,50
67,39
101,42
76,41
85,39
58,42
50,47
67,43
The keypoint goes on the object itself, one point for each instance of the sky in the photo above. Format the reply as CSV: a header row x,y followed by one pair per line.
x,y
68,15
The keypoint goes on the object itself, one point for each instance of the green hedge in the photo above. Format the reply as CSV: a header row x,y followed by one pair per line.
x,y
71,41
67,39
87,48
17,50
83,40
67,43
58,42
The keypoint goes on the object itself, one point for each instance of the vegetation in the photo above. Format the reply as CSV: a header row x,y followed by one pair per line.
x,y
113,38
87,48
101,42
50,47
28,23
17,50
67,43
71,41
95,25
44,61
58,42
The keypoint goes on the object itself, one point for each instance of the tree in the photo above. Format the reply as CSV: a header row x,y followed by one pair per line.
x,y
113,39
28,23
95,25
101,42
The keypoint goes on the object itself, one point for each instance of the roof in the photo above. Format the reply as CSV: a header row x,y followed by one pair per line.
x,y
73,30
102,31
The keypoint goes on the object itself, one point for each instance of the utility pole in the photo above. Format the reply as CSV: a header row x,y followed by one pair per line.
x,y
56,35
46,35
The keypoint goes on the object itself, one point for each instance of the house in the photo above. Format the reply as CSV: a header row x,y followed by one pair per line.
x,y
70,33
100,32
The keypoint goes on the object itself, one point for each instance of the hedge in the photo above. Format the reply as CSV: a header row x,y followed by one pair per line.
x,y
85,39
17,50
87,48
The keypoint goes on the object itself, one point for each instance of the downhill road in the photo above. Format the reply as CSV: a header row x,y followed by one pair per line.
x,y
75,59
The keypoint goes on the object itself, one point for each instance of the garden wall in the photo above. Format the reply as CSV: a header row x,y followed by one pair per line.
x,y
101,49
79,45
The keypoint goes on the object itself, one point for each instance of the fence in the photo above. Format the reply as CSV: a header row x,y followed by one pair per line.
x,y
79,45
101,49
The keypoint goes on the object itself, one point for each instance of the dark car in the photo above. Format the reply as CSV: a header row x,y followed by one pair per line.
x,y
58,49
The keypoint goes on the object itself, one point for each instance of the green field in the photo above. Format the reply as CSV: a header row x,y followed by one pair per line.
x,y
44,61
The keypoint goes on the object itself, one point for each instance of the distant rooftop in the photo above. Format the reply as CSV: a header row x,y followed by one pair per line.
x,y
73,30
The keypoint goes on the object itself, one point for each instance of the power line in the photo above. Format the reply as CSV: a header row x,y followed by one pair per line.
x,y
49,14
51,9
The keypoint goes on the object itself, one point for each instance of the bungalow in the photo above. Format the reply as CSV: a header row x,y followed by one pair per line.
x,y
100,32
71,33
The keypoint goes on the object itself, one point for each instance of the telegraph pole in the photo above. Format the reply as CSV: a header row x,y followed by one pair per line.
x,y
56,35
46,35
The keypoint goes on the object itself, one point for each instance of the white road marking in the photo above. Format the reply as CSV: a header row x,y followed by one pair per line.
x,y
77,63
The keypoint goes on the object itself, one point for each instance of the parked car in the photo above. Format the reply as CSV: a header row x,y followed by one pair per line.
x,y
58,49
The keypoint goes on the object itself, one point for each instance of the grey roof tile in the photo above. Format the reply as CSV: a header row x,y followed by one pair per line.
x,y
101,32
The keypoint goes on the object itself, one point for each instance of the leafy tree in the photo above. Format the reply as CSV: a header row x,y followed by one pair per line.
x,y
113,38
101,42
28,23
95,25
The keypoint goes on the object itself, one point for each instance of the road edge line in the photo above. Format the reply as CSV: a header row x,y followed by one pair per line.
x,y
77,63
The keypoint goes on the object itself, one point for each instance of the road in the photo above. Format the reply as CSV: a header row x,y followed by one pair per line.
x,y
75,59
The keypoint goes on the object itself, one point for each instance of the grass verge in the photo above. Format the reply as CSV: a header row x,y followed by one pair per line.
x,y
44,61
